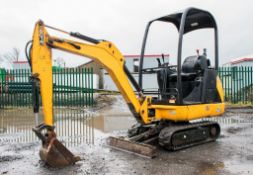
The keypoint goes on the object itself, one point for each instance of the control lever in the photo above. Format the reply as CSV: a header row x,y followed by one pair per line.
x,y
159,62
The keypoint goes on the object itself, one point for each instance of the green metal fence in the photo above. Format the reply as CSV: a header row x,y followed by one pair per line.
x,y
237,84
73,87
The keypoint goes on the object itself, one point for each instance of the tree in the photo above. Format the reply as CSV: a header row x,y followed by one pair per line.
x,y
11,56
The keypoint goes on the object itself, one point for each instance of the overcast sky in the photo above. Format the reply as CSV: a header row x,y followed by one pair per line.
x,y
123,22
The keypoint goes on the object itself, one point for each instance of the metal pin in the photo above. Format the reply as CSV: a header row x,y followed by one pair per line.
x,y
36,119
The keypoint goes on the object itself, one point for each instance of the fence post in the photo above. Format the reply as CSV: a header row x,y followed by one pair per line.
x,y
92,87
1,88
88,81
251,84
86,87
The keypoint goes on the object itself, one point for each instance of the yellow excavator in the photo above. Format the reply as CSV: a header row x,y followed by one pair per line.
x,y
168,116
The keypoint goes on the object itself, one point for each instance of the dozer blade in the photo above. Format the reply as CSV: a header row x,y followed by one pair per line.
x,y
140,149
53,152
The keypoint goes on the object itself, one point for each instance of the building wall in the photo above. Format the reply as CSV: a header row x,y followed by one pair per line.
x,y
20,65
132,62
97,70
236,75
149,82
149,61
238,78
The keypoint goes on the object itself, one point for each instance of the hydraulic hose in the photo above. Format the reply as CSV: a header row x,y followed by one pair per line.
x,y
28,47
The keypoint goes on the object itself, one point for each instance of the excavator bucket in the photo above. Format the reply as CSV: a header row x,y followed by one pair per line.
x,y
53,152
57,155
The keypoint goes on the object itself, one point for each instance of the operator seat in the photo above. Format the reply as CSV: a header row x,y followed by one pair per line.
x,y
192,69
192,66
196,69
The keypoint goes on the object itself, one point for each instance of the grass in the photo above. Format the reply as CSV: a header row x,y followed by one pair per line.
x,y
238,105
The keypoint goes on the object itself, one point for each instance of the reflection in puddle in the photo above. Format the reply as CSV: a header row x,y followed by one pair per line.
x,y
232,119
73,127
15,126
110,123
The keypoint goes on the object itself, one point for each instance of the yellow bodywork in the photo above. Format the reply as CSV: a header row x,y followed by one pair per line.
x,y
41,61
106,54
185,112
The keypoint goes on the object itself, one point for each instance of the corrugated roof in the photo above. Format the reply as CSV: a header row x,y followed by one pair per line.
x,y
20,62
146,56
242,59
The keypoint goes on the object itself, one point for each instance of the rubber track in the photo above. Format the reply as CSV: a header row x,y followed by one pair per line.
x,y
170,130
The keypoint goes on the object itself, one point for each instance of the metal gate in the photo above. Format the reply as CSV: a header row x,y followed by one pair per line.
x,y
73,87
237,84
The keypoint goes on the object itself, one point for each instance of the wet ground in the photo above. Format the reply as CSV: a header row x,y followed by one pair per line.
x,y
84,132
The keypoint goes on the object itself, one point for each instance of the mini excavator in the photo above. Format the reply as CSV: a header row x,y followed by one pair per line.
x,y
169,116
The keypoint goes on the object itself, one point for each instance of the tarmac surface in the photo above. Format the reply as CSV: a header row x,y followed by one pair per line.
x,y
84,132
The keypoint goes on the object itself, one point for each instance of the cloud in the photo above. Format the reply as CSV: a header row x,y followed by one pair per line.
x,y
122,22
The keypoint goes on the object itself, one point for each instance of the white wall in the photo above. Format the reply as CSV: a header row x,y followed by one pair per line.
x,y
149,81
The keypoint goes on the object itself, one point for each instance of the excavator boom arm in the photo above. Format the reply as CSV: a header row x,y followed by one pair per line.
x,y
103,52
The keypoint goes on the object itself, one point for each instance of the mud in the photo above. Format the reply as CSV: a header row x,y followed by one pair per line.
x,y
234,130
84,132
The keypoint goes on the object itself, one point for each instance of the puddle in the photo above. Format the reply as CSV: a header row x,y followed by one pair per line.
x,y
73,127
85,133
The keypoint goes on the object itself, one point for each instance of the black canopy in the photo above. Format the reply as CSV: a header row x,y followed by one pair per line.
x,y
195,19
185,21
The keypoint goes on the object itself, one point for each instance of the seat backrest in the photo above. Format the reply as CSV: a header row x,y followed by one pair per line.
x,y
189,64
194,64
